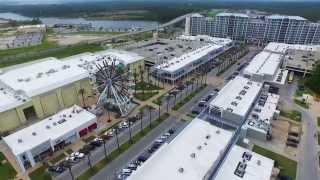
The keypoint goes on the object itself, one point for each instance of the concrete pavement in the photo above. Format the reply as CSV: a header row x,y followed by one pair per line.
x,y
308,156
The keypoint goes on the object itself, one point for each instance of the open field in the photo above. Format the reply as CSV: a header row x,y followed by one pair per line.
x,y
287,166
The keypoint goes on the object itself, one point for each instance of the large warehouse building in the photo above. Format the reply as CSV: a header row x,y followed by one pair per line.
x,y
193,153
38,90
266,67
34,143
235,100
175,69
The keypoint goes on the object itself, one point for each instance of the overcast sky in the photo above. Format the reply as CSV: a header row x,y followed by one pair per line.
x,y
64,1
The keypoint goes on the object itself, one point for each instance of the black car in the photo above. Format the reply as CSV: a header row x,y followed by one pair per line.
x,y
57,169
96,143
171,131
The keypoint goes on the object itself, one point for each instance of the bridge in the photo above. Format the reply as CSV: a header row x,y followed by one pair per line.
x,y
173,21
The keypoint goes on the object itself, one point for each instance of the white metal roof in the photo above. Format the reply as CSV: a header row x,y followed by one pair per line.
x,y
233,14
264,63
263,122
125,57
177,63
42,77
258,167
282,47
48,129
232,90
276,16
9,99
167,161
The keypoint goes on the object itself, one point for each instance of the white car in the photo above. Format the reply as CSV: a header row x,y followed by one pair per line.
x,y
159,141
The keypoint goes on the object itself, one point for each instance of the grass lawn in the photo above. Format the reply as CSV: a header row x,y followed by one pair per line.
x,y
146,86
287,166
145,96
6,170
159,99
318,138
188,98
69,151
42,53
301,103
101,164
40,174
57,159
318,121
294,115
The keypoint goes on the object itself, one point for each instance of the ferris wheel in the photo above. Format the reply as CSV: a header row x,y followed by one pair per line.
x,y
113,85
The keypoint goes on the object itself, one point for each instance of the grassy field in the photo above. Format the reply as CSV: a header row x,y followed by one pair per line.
x,y
124,147
146,86
44,46
294,115
287,166
59,53
6,170
145,96
57,159
40,174
301,103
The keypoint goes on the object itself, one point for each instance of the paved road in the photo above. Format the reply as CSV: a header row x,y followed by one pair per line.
x,y
123,136
138,148
308,158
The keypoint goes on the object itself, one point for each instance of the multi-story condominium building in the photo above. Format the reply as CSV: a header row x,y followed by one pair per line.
x,y
255,28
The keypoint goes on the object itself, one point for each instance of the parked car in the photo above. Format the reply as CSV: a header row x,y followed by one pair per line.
x,y
171,131
202,103
126,171
57,169
292,144
132,166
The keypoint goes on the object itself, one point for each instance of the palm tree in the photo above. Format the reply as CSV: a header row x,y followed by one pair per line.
x,y
104,138
159,108
148,75
82,91
117,138
135,75
130,135
68,165
167,99
141,72
86,150
141,119
150,108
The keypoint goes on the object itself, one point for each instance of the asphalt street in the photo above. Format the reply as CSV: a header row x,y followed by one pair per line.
x,y
308,156
123,136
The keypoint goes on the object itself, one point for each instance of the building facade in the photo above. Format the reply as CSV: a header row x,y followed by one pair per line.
x,y
258,29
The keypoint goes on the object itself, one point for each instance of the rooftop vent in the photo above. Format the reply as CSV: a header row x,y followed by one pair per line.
x,y
234,103
208,136
34,133
193,155
47,126
218,131
199,147
19,140
180,170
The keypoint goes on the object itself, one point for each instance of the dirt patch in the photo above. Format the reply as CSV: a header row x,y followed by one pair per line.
x,y
280,129
72,39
